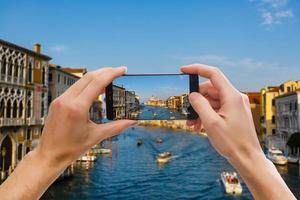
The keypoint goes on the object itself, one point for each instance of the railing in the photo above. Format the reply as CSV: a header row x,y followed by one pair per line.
x,y
33,121
11,122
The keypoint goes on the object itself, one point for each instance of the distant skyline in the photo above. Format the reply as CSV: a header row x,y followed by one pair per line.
x,y
157,86
255,42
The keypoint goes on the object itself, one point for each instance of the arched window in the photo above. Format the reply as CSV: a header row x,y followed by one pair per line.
x,y
2,108
8,109
3,69
43,75
21,70
15,109
9,67
16,69
29,73
28,109
20,109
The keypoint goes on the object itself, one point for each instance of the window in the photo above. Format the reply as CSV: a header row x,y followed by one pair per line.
x,y
50,77
29,73
28,134
273,131
273,119
20,109
43,75
65,80
296,106
20,148
8,109
288,88
2,108
58,78
15,109
3,69
27,149
28,109
16,70
42,106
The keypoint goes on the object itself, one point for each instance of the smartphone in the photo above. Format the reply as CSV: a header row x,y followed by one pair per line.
x,y
151,97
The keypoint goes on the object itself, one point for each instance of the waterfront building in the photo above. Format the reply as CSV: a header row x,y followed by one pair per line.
x,y
131,103
23,101
254,100
155,101
185,103
267,112
118,102
174,102
288,120
59,81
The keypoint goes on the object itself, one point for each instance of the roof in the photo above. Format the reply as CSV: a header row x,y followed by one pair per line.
x,y
31,52
61,69
294,140
75,70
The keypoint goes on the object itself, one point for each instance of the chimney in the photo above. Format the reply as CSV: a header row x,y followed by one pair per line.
x,y
37,48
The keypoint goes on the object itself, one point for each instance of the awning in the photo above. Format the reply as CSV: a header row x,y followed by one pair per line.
x,y
294,140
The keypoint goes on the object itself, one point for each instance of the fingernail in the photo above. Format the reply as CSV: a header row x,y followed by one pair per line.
x,y
193,96
125,69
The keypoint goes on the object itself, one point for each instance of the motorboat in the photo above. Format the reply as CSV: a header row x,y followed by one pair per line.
x,y
172,117
139,142
158,140
231,183
104,151
293,159
164,157
277,157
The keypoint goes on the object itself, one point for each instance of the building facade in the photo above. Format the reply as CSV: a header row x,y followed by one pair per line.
x,y
288,118
254,100
23,101
267,112
118,102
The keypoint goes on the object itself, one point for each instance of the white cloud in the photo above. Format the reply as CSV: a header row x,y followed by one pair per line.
x,y
59,48
273,12
247,74
224,61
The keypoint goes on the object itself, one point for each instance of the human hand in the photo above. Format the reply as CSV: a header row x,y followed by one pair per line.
x,y
224,112
68,131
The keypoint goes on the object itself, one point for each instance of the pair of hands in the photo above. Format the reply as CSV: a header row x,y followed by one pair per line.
x,y
223,111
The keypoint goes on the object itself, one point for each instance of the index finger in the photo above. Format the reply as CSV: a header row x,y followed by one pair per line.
x,y
217,78
98,84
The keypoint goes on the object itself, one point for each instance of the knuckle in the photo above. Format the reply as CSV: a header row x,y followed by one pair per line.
x,y
213,123
56,103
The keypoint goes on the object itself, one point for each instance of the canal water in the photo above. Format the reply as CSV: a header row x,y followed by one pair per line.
x,y
158,113
133,173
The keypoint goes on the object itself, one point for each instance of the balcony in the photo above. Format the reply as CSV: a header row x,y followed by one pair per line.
x,y
12,122
33,121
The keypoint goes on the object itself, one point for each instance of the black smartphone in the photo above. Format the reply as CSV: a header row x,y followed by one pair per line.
x,y
151,97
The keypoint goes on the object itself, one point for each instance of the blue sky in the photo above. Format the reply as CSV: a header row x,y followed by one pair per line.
x,y
255,42
157,86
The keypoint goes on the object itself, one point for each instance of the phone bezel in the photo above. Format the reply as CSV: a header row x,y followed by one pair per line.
x,y
193,87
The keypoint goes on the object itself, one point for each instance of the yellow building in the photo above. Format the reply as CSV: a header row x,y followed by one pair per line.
x,y
23,102
268,110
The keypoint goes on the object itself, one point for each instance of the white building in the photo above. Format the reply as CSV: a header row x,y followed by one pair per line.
x,y
288,119
23,102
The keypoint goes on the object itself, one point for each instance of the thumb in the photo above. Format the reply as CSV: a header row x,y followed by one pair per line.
x,y
207,114
104,131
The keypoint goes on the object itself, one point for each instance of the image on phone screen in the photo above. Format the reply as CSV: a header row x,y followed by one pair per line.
x,y
151,97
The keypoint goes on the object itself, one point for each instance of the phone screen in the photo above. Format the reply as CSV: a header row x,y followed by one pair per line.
x,y
151,97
